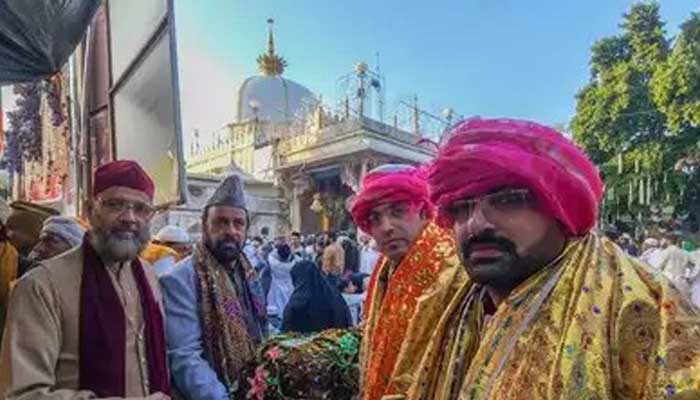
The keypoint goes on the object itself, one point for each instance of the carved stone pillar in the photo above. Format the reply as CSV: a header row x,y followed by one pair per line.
x,y
300,185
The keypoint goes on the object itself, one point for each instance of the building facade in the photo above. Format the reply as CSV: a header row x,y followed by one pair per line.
x,y
283,138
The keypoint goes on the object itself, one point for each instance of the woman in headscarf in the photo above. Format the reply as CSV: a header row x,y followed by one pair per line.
x,y
314,305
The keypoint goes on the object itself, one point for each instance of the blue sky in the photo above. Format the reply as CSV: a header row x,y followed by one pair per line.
x,y
513,58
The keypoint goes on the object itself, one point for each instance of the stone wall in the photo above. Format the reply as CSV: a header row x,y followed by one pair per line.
x,y
266,207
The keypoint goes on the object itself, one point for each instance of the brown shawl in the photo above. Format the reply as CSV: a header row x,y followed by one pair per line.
x,y
231,322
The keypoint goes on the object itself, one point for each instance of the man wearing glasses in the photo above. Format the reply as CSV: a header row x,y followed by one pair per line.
x,y
89,323
552,310
416,276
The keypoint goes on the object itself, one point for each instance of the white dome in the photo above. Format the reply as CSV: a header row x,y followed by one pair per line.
x,y
273,99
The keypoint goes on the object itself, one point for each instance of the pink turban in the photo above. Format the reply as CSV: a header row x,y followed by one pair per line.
x,y
124,173
390,183
481,155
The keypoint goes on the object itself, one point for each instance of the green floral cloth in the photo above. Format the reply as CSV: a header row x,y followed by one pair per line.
x,y
318,366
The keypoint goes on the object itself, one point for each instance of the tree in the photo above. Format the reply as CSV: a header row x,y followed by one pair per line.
x,y
629,114
24,133
24,127
676,91
676,82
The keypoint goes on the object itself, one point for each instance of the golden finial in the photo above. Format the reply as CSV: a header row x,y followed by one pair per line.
x,y
271,64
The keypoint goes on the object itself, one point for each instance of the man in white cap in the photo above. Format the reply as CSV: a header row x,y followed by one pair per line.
x,y
161,253
176,238
213,303
58,235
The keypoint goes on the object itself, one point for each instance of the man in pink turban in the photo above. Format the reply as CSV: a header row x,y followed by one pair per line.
x,y
551,310
418,262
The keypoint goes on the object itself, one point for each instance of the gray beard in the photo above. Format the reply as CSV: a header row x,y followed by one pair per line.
x,y
113,248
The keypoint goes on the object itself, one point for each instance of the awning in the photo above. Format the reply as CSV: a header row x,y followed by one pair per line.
x,y
38,36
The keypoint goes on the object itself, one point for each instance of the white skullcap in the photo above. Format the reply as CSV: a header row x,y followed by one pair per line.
x,y
172,234
64,227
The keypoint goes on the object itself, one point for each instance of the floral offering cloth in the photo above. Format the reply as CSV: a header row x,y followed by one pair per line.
x,y
295,366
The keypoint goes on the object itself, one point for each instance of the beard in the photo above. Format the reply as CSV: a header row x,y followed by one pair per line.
x,y
506,271
225,249
120,243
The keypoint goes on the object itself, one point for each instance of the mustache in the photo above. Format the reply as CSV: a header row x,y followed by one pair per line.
x,y
489,238
117,232
227,241
126,228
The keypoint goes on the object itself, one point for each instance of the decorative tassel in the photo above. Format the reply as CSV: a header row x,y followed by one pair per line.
x,y
656,186
630,199
619,164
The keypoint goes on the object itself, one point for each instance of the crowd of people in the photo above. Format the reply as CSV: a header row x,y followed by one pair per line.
x,y
668,254
479,275
344,262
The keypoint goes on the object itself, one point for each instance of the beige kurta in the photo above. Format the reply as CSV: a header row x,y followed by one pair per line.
x,y
40,348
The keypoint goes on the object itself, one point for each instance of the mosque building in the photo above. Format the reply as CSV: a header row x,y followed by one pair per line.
x,y
300,161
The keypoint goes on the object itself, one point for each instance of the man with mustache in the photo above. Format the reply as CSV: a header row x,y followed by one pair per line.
x,y
88,323
214,305
416,276
551,310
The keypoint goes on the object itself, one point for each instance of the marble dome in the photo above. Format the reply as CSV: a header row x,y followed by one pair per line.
x,y
272,98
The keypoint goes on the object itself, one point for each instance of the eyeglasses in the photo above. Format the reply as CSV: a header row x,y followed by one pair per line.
x,y
120,206
493,206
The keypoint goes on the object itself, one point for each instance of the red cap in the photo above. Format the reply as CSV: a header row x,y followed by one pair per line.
x,y
125,173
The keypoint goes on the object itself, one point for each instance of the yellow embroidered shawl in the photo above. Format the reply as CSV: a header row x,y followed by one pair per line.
x,y
596,324
402,308
8,275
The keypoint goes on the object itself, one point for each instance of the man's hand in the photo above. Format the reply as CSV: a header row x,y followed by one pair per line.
x,y
158,396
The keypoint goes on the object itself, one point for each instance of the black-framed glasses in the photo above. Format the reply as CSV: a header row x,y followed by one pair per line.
x,y
493,205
